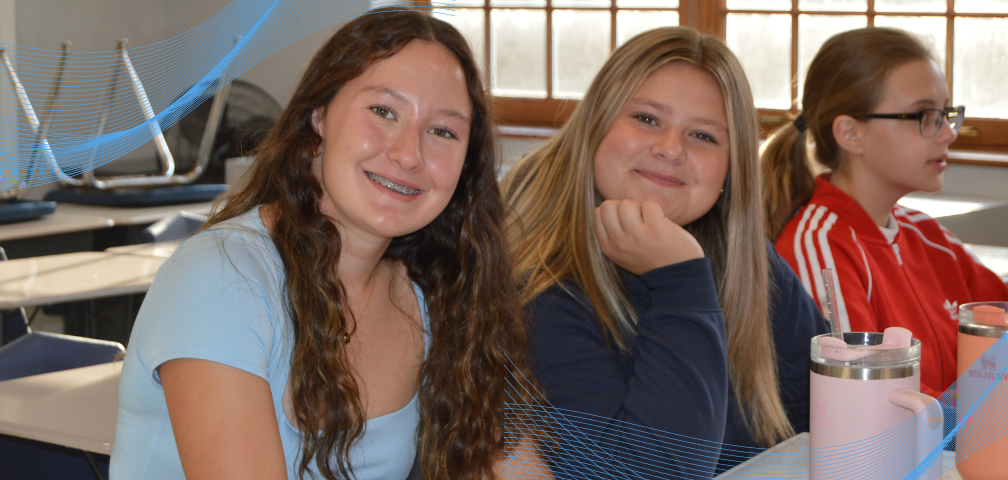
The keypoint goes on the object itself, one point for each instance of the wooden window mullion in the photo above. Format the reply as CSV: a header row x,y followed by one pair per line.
x,y
612,25
486,44
949,40
549,48
794,57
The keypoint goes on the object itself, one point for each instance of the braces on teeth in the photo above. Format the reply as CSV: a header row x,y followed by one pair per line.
x,y
389,184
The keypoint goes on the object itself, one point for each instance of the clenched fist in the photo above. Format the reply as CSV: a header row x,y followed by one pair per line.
x,y
639,238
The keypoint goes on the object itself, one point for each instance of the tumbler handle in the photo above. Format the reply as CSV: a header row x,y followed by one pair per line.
x,y
930,422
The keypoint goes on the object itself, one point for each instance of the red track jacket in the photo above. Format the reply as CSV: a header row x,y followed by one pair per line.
x,y
917,282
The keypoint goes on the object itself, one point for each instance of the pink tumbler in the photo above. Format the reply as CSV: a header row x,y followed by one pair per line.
x,y
865,401
981,443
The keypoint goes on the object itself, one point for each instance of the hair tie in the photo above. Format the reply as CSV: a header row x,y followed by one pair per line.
x,y
799,123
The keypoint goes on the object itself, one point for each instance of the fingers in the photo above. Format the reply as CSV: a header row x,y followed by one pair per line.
x,y
631,217
639,238
610,213
652,213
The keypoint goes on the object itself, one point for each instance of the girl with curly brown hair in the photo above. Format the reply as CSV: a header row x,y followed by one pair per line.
x,y
345,309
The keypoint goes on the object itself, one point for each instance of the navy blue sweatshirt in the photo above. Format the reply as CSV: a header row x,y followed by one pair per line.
x,y
673,379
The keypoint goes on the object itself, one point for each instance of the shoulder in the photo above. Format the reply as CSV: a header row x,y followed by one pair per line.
x,y
227,267
924,225
561,300
219,297
818,216
232,246
816,229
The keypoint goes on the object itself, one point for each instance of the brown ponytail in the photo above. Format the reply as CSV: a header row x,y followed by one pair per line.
x,y
846,77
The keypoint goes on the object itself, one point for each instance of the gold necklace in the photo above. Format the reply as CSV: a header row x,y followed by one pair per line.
x,y
374,283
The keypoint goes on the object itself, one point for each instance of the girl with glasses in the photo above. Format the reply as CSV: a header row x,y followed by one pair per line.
x,y
660,314
876,108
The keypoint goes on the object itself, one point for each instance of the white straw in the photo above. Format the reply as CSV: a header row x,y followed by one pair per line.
x,y
827,275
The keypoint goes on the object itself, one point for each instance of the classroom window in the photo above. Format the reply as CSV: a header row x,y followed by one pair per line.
x,y
776,40
540,55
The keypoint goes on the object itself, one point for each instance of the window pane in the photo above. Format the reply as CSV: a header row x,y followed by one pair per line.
x,y
814,30
581,3
631,22
763,45
911,6
759,4
517,3
833,5
470,22
647,3
929,29
518,53
580,47
980,63
981,6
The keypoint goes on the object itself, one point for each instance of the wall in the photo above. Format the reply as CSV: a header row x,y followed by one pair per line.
x,y
278,73
92,25
8,37
95,25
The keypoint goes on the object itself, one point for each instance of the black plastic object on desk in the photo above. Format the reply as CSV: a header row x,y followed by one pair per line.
x,y
22,210
177,195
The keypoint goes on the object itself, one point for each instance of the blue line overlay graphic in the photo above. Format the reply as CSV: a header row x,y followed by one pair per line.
x,y
583,446
177,76
87,123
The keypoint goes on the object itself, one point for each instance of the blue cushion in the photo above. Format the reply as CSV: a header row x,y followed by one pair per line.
x,y
43,352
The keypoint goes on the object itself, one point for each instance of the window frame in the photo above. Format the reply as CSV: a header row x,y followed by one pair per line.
x,y
709,16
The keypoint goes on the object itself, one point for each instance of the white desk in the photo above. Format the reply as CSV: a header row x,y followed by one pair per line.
x,y
160,249
940,205
789,460
994,258
73,408
74,276
136,216
63,220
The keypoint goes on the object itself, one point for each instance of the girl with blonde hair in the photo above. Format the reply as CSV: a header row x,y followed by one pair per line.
x,y
876,107
653,294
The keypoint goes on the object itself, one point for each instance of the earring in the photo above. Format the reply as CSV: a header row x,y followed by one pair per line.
x,y
722,192
316,153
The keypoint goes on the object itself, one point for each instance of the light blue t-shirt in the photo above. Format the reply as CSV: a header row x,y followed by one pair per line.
x,y
220,297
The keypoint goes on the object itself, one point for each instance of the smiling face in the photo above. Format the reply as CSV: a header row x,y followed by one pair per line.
x,y
394,141
894,151
669,144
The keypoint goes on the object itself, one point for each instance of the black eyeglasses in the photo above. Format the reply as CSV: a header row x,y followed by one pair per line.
x,y
930,119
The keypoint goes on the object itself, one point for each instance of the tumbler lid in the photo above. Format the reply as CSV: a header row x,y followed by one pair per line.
x,y
866,355
983,319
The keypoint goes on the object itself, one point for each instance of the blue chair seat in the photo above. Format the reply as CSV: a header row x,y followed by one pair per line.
x,y
42,352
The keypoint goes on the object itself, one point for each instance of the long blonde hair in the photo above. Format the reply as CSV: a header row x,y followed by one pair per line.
x,y
552,192
845,78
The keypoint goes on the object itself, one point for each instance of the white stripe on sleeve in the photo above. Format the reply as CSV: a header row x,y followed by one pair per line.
x,y
799,256
864,258
813,258
827,253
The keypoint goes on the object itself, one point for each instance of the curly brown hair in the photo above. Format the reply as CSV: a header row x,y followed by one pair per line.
x,y
476,363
